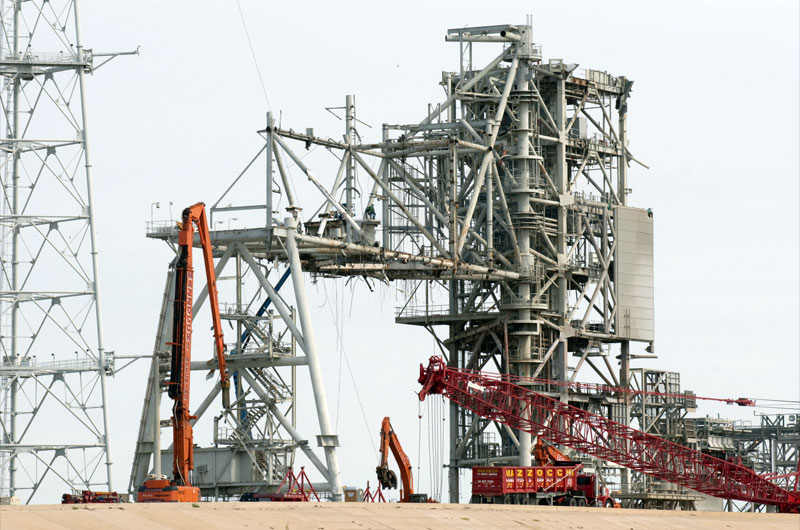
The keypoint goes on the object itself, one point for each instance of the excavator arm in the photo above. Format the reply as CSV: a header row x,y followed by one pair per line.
x,y
178,390
197,215
179,489
387,477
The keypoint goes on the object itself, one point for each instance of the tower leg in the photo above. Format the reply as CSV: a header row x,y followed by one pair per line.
x,y
328,439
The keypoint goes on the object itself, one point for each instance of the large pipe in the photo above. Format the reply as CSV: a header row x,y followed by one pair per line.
x,y
328,437
405,256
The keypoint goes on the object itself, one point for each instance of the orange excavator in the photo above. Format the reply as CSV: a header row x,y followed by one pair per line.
x,y
387,477
546,454
179,488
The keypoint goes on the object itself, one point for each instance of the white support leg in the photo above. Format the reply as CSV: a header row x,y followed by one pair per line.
x,y
327,439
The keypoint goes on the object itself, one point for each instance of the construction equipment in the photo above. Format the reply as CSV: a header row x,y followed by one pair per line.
x,y
554,484
547,455
386,477
91,497
554,480
494,397
180,489
595,387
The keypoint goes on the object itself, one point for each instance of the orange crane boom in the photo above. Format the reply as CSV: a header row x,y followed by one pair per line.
x,y
180,489
387,477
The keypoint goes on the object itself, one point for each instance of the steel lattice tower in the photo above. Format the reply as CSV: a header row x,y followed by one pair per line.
x,y
54,365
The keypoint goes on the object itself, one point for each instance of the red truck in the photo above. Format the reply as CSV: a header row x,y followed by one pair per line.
x,y
553,484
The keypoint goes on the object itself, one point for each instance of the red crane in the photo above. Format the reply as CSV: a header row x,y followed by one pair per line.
x,y
595,387
180,489
494,397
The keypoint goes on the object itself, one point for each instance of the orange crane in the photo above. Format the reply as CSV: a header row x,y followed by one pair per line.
x,y
180,489
387,477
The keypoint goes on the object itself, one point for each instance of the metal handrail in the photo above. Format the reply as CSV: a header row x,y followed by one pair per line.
x,y
85,57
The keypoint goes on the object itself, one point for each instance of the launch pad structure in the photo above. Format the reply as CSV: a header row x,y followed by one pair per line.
x,y
511,197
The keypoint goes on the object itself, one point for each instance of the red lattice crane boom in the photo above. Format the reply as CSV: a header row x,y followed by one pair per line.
x,y
595,387
494,397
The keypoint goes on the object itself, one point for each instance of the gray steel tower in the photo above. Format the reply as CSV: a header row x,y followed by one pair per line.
x,y
54,365
508,201
511,197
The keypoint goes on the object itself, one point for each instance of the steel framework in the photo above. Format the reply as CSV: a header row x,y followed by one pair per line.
x,y
255,438
510,197
54,364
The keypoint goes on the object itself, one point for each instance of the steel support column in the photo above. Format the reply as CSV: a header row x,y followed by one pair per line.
x,y
328,439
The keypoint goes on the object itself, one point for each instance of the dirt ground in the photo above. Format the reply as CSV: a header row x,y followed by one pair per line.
x,y
329,516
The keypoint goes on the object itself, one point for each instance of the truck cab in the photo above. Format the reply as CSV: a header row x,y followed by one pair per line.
x,y
595,494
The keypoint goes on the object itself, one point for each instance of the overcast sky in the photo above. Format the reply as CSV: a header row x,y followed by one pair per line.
x,y
714,113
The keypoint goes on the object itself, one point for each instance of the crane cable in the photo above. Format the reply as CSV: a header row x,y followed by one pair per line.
x,y
420,413
432,447
253,53
522,380
440,465
436,420
343,354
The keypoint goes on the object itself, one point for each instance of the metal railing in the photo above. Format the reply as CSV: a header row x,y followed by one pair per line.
x,y
583,196
48,58
161,228
71,365
514,300
421,310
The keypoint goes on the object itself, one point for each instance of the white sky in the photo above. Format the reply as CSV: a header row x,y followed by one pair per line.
x,y
714,112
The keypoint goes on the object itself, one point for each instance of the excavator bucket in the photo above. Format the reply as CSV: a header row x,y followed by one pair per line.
x,y
386,477
226,397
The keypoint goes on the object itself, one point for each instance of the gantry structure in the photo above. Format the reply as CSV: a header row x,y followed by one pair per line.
x,y
510,195
506,210
54,363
